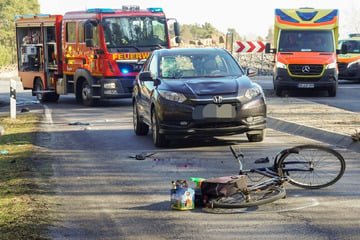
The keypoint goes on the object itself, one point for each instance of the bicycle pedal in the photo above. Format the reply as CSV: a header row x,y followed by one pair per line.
x,y
262,160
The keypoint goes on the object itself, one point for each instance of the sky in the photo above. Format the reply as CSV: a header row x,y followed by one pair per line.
x,y
249,18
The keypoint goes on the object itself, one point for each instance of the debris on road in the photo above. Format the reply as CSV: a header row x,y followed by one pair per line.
x,y
79,123
182,197
142,156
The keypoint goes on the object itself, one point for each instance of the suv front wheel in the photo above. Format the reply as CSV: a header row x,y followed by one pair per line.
x,y
257,136
140,128
158,139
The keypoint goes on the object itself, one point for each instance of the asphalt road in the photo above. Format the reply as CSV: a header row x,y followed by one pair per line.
x,y
103,193
347,96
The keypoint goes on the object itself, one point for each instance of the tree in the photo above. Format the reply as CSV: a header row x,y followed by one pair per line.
x,y
237,36
270,35
8,10
194,32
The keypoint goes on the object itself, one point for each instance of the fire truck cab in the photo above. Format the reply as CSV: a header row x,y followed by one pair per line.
x,y
94,54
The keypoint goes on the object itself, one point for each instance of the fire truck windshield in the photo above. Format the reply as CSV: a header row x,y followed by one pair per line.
x,y
135,32
306,41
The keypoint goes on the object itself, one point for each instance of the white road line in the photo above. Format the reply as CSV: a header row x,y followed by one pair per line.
x,y
352,87
48,115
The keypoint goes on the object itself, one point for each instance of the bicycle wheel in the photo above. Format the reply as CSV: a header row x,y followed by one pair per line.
x,y
312,166
254,198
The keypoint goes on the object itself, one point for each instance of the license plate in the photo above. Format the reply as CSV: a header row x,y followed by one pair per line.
x,y
306,85
216,111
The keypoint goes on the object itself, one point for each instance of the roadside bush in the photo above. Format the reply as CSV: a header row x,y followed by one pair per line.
x,y
5,56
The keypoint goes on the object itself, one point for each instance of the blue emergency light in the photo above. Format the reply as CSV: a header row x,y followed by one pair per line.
x,y
328,17
284,16
100,10
354,35
155,10
306,16
124,70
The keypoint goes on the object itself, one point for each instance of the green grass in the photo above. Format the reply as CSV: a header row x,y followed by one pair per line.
x,y
24,208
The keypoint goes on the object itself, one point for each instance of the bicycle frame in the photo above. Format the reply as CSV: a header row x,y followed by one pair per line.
x,y
273,171
276,176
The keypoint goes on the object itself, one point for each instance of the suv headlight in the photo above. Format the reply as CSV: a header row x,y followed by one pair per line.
x,y
280,65
173,96
331,65
253,92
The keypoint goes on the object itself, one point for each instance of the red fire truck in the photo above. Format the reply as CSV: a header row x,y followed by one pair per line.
x,y
94,54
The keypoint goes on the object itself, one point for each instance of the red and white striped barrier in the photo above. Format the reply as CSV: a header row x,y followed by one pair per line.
x,y
250,46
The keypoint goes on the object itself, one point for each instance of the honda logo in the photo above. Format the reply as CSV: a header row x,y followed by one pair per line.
x,y
305,69
217,99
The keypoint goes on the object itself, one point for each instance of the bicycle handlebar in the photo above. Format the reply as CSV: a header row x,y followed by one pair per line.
x,y
233,151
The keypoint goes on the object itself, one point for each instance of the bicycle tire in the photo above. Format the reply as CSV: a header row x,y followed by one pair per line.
x,y
256,197
312,166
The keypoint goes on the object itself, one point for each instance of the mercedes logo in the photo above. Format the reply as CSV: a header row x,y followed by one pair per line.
x,y
217,99
305,69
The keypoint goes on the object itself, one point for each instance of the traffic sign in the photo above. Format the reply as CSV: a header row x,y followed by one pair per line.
x,y
250,46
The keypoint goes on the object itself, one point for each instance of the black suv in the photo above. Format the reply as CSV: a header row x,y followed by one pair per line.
x,y
186,92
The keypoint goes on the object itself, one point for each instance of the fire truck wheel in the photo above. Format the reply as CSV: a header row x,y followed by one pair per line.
x,y
38,86
52,97
86,94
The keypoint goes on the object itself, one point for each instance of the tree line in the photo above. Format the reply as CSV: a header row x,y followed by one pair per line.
x,y
10,8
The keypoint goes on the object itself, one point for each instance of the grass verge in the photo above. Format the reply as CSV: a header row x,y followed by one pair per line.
x,y
24,209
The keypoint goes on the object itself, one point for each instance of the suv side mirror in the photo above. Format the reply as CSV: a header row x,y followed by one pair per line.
x,y
145,76
251,72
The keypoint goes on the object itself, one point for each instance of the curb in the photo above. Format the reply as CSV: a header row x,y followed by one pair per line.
x,y
332,138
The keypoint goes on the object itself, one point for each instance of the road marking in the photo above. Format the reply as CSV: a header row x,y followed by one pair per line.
x,y
352,87
48,116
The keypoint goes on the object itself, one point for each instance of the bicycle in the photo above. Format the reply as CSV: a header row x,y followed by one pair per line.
x,y
307,166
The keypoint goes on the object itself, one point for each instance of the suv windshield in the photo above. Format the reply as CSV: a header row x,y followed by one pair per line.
x,y
306,41
143,31
198,65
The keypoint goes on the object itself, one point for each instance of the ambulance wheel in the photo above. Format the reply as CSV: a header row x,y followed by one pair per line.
x,y
332,92
278,91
